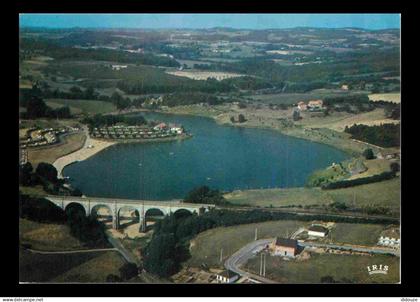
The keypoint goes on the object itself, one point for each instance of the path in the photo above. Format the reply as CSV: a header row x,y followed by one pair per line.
x,y
81,154
241,257
71,251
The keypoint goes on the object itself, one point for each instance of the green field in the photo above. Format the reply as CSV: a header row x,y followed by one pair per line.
x,y
95,269
359,234
82,106
343,268
205,248
383,194
47,236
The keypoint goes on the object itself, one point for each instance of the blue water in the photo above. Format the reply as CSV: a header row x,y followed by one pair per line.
x,y
222,157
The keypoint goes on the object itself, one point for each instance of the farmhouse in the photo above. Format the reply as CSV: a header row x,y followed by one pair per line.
x,y
302,106
284,247
390,237
227,276
317,231
315,104
160,127
118,67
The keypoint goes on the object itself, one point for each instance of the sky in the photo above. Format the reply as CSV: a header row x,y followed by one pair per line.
x,y
245,21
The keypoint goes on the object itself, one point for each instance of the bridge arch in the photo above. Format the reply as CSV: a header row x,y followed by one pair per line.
x,y
97,212
182,212
128,215
75,208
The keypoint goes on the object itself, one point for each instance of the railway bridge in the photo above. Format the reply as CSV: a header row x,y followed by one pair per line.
x,y
115,206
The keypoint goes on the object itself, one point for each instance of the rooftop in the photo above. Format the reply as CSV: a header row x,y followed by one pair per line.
x,y
317,228
286,242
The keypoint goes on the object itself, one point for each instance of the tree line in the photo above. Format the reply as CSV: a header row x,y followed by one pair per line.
x,y
385,135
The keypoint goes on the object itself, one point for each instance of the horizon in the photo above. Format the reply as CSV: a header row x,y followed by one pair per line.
x,y
210,21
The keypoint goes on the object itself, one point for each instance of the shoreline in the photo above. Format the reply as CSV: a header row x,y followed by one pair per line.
x,y
100,145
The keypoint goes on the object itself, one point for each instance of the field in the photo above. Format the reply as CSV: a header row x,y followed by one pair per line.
x,y
95,269
72,143
359,234
204,75
47,236
205,248
343,268
383,194
292,98
339,120
82,106
387,97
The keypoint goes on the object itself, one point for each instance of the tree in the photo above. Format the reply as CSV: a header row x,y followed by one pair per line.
x,y
25,172
111,278
327,279
395,167
35,108
47,172
160,255
296,115
128,271
232,119
368,154
241,118
205,195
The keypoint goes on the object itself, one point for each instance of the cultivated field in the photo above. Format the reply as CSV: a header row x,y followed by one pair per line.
x,y
355,233
343,268
384,194
83,106
204,75
387,97
339,120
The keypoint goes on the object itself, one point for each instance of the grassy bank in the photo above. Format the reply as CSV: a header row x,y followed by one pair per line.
x,y
380,194
343,268
71,143
47,236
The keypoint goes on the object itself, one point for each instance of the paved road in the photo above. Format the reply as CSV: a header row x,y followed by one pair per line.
x,y
241,257
72,251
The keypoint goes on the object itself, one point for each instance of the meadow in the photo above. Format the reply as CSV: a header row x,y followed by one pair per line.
x,y
342,268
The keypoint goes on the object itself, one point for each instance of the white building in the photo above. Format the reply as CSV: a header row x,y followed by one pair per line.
x,y
389,241
227,276
317,231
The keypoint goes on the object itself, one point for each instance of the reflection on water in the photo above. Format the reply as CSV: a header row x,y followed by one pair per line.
x,y
222,157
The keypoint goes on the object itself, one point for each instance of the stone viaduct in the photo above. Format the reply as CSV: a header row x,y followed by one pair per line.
x,y
115,206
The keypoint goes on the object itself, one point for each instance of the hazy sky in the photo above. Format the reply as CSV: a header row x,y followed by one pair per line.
x,y
251,21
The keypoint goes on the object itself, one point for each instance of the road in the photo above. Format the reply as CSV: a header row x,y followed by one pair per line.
x,y
71,251
241,257
251,249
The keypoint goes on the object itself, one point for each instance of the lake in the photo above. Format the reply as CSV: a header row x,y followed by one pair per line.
x,y
222,157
